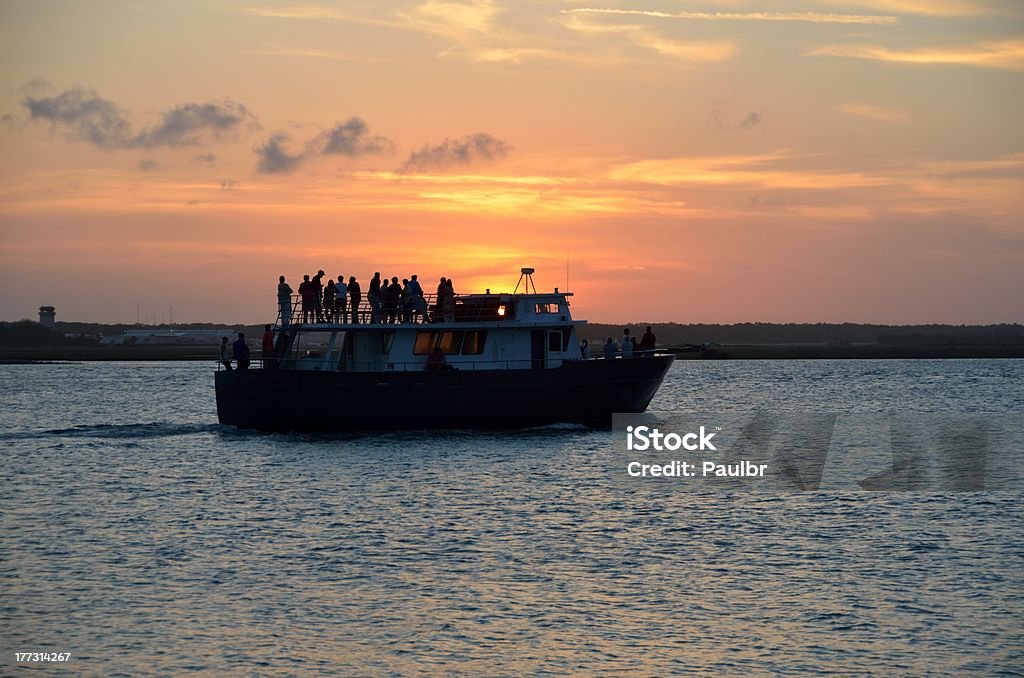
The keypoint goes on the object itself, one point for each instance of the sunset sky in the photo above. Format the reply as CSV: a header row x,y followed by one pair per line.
x,y
777,161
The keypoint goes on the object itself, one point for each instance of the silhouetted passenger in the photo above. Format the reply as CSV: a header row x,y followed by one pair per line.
x,y
437,362
407,301
418,300
647,343
392,300
611,349
284,301
355,296
446,300
329,301
267,347
373,297
241,351
225,356
340,300
280,347
584,349
627,345
307,290
318,282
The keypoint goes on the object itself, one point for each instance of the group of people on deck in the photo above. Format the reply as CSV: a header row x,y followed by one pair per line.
x,y
628,347
388,301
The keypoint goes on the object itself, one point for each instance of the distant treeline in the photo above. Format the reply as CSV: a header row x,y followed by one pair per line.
x,y
30,333
816,333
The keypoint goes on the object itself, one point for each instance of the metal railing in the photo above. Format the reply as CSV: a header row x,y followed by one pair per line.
x,y
429,308
320,363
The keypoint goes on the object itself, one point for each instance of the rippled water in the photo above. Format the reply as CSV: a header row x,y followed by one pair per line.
x,y
143,538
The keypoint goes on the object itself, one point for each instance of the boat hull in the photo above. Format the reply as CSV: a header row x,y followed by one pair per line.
x,y
585,392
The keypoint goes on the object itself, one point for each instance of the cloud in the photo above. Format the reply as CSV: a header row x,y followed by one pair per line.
x,y
273,158
875,112
87,116
351,138
1004,54
148,165
642,36
925,7
751,119
205,159
310,54
186,125
468,150
229,185
810,17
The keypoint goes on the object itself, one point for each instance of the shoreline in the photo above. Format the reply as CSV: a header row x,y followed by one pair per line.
x,y
59,354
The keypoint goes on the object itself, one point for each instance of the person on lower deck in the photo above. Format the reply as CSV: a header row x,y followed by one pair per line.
x,y
241,351
437,362
611,349
267,346
225,356
627,344
647,343
284,301
584,349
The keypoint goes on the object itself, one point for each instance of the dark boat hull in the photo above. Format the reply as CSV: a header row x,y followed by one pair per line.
x,y
586,392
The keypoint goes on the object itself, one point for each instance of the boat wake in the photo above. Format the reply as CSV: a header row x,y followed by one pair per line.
x,y
117,431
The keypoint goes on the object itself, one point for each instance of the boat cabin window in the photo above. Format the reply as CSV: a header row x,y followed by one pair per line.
x,y
555,342
474,342
425,342
546,309
451,342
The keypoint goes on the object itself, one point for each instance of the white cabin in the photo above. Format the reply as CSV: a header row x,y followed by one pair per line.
x,y
474,332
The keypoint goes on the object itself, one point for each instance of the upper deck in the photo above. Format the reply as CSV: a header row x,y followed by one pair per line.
x,y
458,311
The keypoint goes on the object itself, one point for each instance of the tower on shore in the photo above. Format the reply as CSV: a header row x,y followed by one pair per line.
x,y
48,316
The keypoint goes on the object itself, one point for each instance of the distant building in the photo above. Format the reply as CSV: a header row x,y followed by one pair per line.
x,y
47,316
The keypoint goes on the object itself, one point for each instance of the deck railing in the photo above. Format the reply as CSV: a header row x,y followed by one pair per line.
x,y
321,363
430,308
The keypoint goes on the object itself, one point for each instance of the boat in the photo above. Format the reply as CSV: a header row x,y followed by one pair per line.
x,y
470,361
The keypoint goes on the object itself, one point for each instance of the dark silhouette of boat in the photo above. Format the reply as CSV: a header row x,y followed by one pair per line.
x,y
470,361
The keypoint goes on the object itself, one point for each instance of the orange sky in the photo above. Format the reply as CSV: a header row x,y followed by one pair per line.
x,y
786,161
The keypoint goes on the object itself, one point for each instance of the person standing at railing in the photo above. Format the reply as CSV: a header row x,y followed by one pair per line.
x,y
407,301
373,298
241,351
308,293
340,300
392,300
355,295
419,303
627,344
585,349
284,301
611,349
318,284
225,356
647,343
329,301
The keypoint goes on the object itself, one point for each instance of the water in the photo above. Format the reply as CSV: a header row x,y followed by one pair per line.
x,y
143,538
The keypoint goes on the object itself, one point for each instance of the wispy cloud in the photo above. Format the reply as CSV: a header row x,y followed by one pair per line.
x,y
306,53
925,7
749,120
863,109
643,36
462,152
1004,54
810,17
